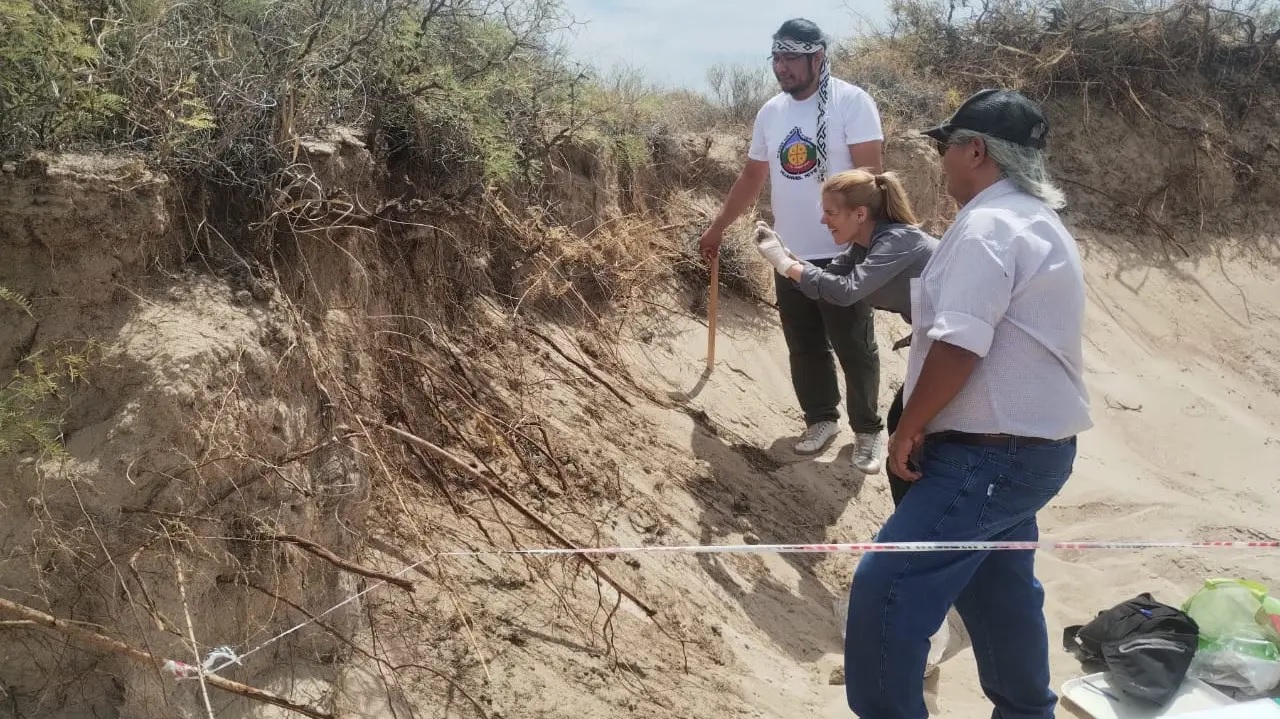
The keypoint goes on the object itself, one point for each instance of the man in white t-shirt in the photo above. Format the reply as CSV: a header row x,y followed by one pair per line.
x,y
816,127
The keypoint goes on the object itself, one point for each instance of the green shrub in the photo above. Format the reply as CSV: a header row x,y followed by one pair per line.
x,y
29,416
49,93
454,95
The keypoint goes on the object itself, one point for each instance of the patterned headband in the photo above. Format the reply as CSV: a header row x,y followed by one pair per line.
x,y
800,47
785,45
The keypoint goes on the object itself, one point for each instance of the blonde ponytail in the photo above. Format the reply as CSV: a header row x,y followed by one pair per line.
x,y
897,206
882,194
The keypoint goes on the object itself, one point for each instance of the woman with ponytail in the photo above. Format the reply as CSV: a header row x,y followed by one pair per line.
x,y
871,215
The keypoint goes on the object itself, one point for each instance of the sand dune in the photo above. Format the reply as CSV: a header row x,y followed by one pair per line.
x,y
1184,373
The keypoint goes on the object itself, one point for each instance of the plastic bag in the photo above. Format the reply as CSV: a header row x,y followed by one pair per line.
x,y
937,647
1239,643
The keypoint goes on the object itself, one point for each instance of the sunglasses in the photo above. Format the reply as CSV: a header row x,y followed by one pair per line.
x,y
942,146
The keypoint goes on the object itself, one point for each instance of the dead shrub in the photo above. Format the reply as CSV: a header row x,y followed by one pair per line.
x,y
1125,54
1195,80
885,69
741,267
739,91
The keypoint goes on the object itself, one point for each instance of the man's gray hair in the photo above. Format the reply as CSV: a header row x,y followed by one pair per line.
x,y
1025,167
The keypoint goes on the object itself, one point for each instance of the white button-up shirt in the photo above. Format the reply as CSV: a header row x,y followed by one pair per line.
x,y
1006,284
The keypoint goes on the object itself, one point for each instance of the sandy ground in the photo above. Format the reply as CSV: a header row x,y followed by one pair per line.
x,y
1184,373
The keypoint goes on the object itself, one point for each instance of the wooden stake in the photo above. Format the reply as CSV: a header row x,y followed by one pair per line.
x,y
713,308
107,644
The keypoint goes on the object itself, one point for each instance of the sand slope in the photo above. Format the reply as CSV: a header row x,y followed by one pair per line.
x,y
1184,371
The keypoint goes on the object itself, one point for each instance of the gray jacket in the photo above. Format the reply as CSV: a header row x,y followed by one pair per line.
x,y
880,274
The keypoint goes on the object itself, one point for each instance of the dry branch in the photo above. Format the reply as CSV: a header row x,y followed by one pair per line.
x,y
312,450
519,507
1140,212
590,372
113,646
345,564
451,681
512,428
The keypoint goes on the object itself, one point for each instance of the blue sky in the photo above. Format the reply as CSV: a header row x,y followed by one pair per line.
x,y
674,41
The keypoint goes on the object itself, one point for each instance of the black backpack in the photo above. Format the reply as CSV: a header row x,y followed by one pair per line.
x,y
1146,647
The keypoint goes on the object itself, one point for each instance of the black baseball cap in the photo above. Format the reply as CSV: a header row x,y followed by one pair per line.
x,y
1006,114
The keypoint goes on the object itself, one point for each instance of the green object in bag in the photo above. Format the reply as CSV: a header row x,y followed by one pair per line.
x,y
1237,609
1239,643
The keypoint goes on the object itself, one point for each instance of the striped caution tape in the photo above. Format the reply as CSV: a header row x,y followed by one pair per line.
x,y
224,657
867,547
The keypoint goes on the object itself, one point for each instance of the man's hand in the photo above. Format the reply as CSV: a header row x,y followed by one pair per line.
x,y
946,369
709,243
902,445
771,248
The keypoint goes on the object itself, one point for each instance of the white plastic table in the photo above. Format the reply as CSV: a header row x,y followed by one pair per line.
x,y
1095,695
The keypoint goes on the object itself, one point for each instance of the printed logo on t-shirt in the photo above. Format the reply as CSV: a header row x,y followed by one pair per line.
x,y
799,156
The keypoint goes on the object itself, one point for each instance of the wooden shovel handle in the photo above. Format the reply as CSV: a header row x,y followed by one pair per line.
x,y
713,308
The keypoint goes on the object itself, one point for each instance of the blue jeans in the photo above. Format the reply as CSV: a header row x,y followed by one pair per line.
x,y
898,600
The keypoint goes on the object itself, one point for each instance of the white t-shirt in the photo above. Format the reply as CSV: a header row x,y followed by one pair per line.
x,y
784,136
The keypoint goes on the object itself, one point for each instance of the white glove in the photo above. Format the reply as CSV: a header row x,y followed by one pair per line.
x,y
770,246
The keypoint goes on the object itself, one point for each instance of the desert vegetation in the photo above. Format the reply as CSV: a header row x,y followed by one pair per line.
x,y
291,279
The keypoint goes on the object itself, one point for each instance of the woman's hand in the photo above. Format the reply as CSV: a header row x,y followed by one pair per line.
x,y
770,246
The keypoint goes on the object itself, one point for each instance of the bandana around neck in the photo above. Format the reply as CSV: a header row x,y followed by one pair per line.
x,y
785,45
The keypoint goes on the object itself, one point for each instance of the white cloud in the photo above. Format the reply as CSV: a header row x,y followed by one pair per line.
x,y
675,41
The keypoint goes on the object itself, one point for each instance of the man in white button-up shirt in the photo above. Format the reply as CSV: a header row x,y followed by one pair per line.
x,y
994,400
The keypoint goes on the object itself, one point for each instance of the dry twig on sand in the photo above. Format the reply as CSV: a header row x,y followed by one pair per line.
x,y
344,564
519,507
114,646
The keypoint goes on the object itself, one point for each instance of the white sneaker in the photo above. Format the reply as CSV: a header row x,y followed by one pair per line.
x,y
866,452
816,437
